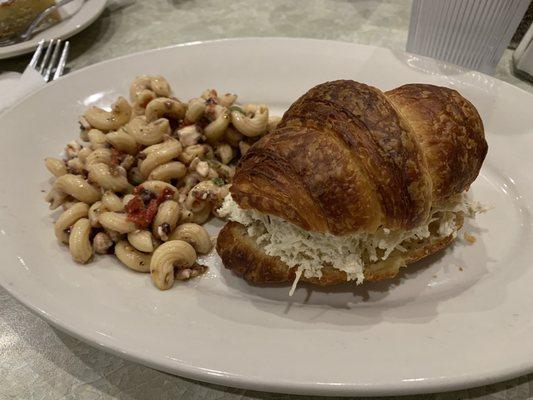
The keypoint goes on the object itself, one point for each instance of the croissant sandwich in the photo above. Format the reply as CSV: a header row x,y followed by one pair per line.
x,y
353,184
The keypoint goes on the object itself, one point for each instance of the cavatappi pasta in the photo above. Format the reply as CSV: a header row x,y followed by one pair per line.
x,y
147,173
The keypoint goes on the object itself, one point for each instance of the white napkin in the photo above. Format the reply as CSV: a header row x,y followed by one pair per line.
x,y
14,86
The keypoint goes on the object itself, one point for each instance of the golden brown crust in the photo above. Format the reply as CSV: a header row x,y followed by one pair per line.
x,y
450,132
378,140
241,254
347,157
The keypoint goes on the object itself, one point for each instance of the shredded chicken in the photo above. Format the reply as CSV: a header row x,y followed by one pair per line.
x,y
310,250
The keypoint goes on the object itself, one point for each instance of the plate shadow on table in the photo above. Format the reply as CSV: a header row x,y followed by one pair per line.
x,y
179,3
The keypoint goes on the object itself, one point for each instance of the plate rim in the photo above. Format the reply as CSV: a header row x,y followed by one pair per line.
x,y
7,52
427,385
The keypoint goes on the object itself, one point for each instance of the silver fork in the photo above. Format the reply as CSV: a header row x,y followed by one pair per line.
x,y
27,34
51,62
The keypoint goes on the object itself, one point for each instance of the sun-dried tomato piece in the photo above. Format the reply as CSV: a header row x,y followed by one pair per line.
x,y
143,207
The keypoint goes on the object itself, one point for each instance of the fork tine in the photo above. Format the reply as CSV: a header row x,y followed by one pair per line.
x,y
37,54
47,55
62,61
53,60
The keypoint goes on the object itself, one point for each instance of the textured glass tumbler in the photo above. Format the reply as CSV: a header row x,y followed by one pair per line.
x,y
469,33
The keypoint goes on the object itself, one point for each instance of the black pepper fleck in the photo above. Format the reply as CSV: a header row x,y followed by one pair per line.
x,y
165,227
146,195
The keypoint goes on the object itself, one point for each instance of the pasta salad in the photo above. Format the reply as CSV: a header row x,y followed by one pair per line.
x,y
148,173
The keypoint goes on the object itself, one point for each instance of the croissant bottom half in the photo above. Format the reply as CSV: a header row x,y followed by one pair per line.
x,y
241,253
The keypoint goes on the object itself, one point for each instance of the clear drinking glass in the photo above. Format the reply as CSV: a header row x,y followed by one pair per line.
x,y
469,33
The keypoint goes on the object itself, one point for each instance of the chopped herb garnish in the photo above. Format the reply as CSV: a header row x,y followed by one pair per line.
x,y
218,181
236,108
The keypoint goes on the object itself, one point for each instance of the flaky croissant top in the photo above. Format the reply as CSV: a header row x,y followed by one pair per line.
x,y
348,157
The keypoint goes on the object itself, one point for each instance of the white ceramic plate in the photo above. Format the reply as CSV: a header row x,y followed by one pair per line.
x,y
461,318
75,17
